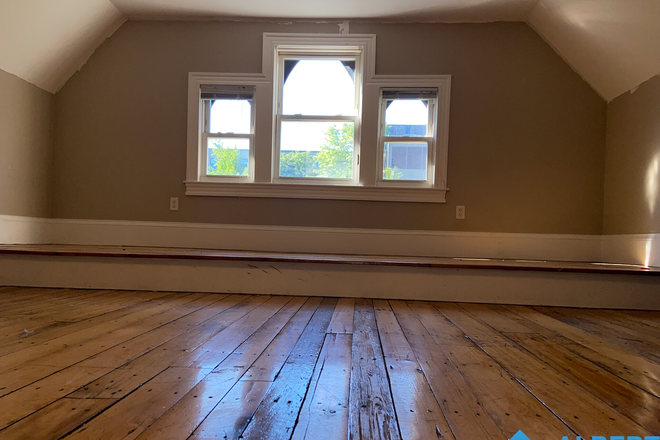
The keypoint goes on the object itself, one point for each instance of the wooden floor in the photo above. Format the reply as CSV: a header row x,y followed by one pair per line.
x,y
156,365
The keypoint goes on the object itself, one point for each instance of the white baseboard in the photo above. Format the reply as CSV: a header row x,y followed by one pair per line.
x,y
24,230
365,281
440,284
329,240
641,249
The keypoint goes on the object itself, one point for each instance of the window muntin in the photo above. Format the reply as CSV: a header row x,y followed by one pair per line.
x,y
406,136
228,136
317,117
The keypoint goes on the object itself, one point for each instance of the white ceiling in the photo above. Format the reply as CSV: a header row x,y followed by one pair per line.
x,y
425,10
613,44
45,41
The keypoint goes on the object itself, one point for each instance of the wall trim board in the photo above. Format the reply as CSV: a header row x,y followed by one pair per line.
x,y
437,284
641,249
430,284
328,240
24,230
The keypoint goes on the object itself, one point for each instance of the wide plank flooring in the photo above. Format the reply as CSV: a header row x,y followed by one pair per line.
x,y
93,364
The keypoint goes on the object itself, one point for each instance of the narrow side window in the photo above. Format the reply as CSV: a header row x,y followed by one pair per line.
x,y
227,141
407,136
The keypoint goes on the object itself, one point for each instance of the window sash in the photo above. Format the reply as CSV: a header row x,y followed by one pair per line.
x,y
404,139
206,111
430,145
332,53
429,139
248,90
318,55
204,157
280,118
430,123
321,180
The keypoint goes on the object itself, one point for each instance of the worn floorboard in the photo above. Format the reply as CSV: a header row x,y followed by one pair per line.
x,y
98,364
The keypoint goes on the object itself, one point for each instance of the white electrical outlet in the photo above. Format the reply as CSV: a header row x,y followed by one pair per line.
x,y
174,203
460,212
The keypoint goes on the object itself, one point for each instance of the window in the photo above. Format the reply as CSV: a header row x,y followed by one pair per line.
x,y
318,123
407,136
317,116
228,130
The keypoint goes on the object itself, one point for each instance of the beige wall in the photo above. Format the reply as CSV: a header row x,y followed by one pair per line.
x,y
26,131
632,169
527,134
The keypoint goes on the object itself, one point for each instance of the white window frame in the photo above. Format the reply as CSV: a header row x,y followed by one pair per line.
x,y
318,52
262,183
205,111
436,171
430,142
196,169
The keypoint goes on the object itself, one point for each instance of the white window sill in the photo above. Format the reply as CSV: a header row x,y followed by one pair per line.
x,y
302,191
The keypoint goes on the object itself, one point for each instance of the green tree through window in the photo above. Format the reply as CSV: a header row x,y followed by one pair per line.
x,y
334,160
298,164
336,155
392,173
225,161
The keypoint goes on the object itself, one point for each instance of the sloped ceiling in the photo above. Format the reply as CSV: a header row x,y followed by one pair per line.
x,y
613,44
46,41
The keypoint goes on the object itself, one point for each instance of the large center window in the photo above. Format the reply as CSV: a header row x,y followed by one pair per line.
x,y
317,121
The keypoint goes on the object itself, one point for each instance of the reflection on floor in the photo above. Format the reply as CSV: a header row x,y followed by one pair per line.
x,y
114,364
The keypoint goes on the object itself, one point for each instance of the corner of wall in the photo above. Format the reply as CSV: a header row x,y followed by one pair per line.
x,y
631,190
26,136
16,229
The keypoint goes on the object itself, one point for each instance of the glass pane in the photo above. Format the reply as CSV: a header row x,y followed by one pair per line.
x,y
227,157
319,87
230,116
407,117
316,149
405,160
